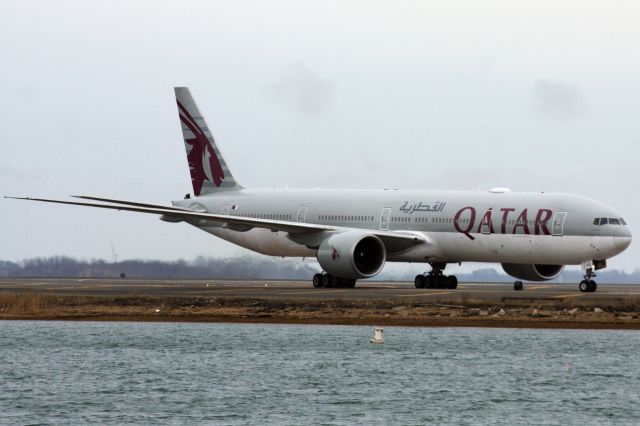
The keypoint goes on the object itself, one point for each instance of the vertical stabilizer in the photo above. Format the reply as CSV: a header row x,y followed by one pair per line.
x,y
209,171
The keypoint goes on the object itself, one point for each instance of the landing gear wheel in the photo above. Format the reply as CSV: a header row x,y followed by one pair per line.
x,y
584,286
420,281
327,281
429,281
452,282
317,280
588,284
517,285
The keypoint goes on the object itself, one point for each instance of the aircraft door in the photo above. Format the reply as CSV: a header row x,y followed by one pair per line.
x,y
558,223
384,219
302,214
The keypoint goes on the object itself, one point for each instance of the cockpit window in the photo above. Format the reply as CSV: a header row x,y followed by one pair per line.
x,y
609,220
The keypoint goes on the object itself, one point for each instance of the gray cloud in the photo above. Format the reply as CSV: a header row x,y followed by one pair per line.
x,y
559,100
300,89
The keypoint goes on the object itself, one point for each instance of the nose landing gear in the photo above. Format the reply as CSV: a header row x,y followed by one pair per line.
x,y
587,285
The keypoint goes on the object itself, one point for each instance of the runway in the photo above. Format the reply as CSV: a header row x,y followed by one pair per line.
x,y
466,293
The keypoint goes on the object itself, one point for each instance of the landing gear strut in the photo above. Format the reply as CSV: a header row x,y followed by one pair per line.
x,y
327,281
435,278
587,285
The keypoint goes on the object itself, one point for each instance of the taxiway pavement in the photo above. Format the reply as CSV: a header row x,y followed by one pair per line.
x,y
466,293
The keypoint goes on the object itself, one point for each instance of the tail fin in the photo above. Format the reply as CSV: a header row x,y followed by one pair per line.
x,y
209,171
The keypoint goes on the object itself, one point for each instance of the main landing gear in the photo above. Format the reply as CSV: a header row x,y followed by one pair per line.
x,y
328,281
436,279
588,285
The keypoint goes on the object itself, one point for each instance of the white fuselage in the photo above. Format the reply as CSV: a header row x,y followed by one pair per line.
x,y
457,226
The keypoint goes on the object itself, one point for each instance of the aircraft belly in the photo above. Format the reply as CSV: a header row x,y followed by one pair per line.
x,y
263,241
541,249
450,247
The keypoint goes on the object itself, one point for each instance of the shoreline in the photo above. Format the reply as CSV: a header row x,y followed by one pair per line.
x,y
409,313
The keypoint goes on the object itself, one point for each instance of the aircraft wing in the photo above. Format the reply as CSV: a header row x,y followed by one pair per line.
x,y
182,214
394,241
128,203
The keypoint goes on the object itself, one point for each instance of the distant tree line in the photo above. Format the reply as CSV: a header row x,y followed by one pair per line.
x,y
242,268
238,267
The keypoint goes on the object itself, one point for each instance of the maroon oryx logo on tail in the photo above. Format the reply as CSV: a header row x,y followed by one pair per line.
x,y
203,161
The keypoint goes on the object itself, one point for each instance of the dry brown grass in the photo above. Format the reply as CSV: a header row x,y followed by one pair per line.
x,y
518,313
38,304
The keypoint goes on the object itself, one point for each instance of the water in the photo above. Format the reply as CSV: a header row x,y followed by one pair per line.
x,y
173,373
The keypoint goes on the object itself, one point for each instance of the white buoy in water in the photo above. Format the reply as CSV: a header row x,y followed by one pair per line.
x,y
378,335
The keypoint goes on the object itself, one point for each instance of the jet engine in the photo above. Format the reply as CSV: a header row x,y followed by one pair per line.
x,y
526,272
352,255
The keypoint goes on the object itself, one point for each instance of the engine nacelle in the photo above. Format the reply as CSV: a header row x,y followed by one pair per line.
x,y
352,255
526,272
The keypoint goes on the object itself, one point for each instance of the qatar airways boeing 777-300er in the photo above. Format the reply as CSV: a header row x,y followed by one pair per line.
x,y
354,232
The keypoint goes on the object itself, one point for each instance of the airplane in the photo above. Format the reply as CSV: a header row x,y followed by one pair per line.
x,y
353,232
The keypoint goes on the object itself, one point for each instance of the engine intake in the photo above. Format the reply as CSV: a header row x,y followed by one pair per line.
x,y
352,255
533,272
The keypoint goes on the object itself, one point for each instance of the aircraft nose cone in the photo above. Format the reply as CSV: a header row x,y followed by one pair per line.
x,y
622,238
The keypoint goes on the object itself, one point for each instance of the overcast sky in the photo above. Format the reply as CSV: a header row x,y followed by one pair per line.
x,y
536,96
